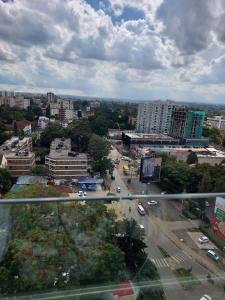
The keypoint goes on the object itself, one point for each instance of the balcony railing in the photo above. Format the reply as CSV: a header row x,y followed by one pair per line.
x,y
48,241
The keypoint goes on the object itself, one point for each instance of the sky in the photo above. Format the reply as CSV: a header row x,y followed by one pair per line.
x,y
135,49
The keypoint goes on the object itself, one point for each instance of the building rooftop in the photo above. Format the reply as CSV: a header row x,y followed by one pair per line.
x,y
61,147
148,136
13,144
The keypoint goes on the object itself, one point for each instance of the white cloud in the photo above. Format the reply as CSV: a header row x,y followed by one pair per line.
x,y
176,51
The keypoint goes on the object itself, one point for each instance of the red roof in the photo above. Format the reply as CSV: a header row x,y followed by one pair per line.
x,y
22,124
125,289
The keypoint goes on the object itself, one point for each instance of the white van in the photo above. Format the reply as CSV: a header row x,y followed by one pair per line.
x,y
141,209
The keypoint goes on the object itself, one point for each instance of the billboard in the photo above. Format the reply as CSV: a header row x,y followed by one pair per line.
x,y
218,220
150,169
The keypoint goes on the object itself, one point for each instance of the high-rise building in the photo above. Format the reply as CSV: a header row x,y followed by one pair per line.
x,y
62,108
178,122
51,97
154,117
186,125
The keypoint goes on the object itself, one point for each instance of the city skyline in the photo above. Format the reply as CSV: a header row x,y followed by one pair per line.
x,y
137,50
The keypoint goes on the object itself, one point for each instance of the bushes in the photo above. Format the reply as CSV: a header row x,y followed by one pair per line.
x,y
189,215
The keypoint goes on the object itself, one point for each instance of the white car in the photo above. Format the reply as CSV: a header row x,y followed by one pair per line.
x,y
118,189
80,193
125,158
207,204
152,202
141,226
163,193
205,297
203,239
84,194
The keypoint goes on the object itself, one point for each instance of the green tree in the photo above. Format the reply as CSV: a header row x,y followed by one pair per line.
x,y
98,147
110,264
40,170
50,133
213,134
192,158
99,124
102,165
79,131
5,181
223,142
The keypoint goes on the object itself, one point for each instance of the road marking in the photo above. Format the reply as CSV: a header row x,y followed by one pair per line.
x,y
160,262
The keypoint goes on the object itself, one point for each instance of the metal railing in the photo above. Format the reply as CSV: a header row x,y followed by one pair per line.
x,y
113,198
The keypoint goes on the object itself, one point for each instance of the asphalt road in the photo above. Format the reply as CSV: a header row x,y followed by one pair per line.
x,y
155,237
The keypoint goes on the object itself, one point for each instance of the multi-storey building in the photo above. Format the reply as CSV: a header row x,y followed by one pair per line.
x,y
17,156
154,117
17,101
62,108
51,97
178,122
20,162
187,125
217,121
43,122
64,163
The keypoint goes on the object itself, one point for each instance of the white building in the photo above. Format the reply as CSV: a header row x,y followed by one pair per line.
x,y
217,121
17,101
155,116
43,122
62,108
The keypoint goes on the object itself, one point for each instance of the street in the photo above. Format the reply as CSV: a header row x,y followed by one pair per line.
x,y
157,223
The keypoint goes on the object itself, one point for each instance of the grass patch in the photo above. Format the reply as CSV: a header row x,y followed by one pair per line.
x,y
206,229
163,251
186,279
189,215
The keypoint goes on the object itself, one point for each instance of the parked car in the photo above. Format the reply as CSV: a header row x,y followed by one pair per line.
x,y
152,202
141,226
205,297
118,189
125,158
203,239
80,193
213,255
84,194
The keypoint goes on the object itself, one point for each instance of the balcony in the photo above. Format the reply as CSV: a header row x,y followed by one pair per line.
x,y
65,247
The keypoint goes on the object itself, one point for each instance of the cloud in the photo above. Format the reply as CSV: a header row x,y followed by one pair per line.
x,y
114,48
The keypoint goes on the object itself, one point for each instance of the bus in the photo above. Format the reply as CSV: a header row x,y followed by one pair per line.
x,y
125,169
141,209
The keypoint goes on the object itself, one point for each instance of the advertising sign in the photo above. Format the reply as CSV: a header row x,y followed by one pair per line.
x,y
150,169
218,220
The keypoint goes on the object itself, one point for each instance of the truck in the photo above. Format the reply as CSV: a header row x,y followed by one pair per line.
x,y
125,169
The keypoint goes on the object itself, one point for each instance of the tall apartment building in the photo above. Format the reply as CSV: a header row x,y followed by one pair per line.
x,y
51,97
17,101
64,163
62,108
178,122
154,117
187,125
217,121
17,156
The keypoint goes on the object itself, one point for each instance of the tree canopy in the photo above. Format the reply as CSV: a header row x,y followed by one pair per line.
x,y
5,181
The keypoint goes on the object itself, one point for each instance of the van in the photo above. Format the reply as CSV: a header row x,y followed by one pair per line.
x,y
213,255
141,209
